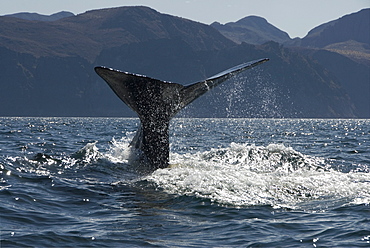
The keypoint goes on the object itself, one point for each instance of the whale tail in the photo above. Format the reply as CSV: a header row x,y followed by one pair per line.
x,y
156,102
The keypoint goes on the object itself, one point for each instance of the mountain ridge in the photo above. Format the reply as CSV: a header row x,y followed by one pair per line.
x,y
253,30
38,17
353,26
85,34
343,35
52,75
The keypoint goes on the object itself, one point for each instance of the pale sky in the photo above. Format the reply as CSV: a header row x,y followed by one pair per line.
x,y
296,17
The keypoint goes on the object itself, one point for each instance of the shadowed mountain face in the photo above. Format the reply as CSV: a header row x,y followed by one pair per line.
x,y
49,67
342,46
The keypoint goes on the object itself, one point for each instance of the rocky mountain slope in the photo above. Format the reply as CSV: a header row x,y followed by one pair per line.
x,y
49,68
87,34
349,27
341,46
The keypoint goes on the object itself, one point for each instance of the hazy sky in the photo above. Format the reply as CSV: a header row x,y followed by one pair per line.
x,y
296,17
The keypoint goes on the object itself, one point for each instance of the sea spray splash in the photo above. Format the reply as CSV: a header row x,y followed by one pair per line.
x,y
248,175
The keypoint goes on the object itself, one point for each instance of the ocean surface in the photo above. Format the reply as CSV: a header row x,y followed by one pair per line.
x,y
68,182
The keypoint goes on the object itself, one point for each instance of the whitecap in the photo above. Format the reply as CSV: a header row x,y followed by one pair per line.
x,y
248,175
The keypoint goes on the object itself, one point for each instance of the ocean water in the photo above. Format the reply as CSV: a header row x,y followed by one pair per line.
x,y
69,182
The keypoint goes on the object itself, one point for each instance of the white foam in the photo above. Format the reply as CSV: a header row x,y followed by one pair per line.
x,y
119,151
247,175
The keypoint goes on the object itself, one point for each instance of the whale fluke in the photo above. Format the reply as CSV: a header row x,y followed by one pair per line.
x,y
156,102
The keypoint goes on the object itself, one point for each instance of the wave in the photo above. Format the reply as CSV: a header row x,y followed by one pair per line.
x,y
240,175
248,175
86,164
